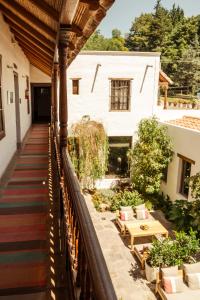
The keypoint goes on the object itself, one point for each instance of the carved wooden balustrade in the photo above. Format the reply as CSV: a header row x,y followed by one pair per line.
x,y
81,250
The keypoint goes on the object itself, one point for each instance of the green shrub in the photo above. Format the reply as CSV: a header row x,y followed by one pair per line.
x,y
180,214
151,154
126,198
102,196
168,252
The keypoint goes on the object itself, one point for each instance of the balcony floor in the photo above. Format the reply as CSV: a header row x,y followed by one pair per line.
x,y
27,241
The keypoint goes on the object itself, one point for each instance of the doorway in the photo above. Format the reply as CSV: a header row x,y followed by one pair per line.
x,y
17,110
41,101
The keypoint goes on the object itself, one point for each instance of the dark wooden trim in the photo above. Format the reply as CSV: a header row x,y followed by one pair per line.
x,y
62,49
15,7
55,112
186,158
33,47
46,8
17,23
41,57
31,40
39,65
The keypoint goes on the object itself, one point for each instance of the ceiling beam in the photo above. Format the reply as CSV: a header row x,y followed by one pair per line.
x,y
25,26
48,47
46,8
36,54
42,68
33,45
31,56
93,4
28,17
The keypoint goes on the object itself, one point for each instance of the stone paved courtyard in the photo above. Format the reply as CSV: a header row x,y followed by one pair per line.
x,y
126,274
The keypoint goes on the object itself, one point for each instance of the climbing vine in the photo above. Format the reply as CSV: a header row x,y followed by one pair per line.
x,y
88,148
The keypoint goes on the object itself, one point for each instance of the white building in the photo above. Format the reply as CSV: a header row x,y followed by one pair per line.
x,y
117,89
185,135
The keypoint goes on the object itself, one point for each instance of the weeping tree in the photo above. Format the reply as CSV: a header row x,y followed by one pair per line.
x,y
150,156
88,148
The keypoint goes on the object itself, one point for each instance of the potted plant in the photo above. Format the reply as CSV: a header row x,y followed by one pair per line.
x,y
162,254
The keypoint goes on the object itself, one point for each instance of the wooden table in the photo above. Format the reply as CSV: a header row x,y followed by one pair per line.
x,y
155,227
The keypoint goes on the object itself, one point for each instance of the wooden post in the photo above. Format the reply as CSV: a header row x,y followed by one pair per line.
x,y
55,88
165,97
63,113
52,98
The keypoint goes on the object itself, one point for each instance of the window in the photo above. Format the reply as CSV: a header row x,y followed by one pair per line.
x,y
117,161
75,86
165,173
185,174
2,128
120,94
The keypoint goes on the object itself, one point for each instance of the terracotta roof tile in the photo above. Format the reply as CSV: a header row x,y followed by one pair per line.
x,y
187,122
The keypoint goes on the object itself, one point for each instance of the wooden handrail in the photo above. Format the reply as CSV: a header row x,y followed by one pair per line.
x,y
81,225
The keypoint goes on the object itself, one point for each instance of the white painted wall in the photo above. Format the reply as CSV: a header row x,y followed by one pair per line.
x,y
96,104
12,53
187,143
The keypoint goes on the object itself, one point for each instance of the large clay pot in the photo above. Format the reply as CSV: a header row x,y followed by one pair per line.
x,y
150,272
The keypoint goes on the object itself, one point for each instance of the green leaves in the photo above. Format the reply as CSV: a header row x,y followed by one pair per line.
x,y
151,154
126,198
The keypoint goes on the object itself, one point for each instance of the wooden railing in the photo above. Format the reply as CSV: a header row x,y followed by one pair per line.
x,y
82,252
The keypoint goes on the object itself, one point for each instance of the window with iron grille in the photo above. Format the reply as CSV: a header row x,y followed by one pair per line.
x,y
2,127
120,94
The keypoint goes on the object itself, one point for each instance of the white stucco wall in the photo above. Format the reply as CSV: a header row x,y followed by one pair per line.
x,y
37,76
12,53
96,104
187,143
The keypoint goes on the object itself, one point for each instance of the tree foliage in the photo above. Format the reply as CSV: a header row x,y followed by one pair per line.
x,y
98,42
151,154
175,36
89,151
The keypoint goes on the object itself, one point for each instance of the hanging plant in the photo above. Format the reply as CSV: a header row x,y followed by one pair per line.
x,y
88,148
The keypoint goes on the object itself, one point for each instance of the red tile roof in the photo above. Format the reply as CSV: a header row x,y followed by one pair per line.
x,y
187,122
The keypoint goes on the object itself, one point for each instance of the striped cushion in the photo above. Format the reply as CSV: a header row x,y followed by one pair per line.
x,y
142,214
173,284
193,280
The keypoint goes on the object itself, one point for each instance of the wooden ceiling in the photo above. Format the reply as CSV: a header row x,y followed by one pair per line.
x,y
36,23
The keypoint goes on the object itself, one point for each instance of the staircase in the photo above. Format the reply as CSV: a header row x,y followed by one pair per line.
x,y
31,265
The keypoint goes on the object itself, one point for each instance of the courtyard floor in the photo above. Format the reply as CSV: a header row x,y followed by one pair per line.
x,y
125,270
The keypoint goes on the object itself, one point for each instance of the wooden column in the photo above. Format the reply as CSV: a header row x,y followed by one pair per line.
x,y
55,88
63,112
165,97
52,98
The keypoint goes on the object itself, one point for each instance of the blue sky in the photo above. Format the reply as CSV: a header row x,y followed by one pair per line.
x,y
123,12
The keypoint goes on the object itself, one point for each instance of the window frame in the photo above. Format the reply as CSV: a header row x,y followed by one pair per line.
x,y
183,170
127,95
2,132
73,86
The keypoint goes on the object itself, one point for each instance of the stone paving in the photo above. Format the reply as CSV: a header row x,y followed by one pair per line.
x,y
126,274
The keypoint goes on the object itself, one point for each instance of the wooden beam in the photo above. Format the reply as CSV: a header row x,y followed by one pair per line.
x,y
39,63
37,55
19,31
28,17
41,68
26,27
93,4
34,52
46,8
33,45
